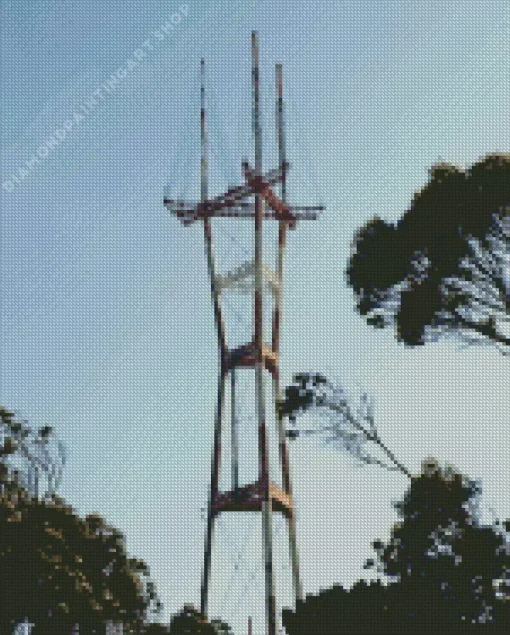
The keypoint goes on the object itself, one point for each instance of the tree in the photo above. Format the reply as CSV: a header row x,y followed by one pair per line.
x,y
156,629
441,548
348,425
189,621
362,609
31,459
434,555
62,569
445,571
444,267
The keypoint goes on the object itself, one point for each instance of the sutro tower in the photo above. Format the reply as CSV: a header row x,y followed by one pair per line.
x,y
263,495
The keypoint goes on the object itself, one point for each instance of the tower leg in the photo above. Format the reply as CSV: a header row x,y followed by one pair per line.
x,y
267,520
291,518
267,524
233,433
267,507
294,559
215,472
267,528
204,598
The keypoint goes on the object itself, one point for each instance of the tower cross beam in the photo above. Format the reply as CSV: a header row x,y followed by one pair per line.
x,y
231,203
262,186
188,215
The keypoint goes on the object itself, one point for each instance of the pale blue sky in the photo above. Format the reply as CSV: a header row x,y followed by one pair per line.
x,y
107,328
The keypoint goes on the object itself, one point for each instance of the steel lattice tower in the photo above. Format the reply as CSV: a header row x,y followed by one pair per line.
x,y
264,494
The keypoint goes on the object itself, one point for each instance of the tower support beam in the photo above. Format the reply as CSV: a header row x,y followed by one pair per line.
x,y
213,494
267,521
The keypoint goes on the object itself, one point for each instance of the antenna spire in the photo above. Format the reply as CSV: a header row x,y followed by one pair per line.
x,y
203,137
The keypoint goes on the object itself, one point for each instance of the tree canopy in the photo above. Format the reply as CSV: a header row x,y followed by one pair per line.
x,y
441,545
31,459
189,621
445,265
62,569
349,425
444,570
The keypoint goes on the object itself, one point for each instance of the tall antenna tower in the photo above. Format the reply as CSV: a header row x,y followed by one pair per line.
x,y
255,199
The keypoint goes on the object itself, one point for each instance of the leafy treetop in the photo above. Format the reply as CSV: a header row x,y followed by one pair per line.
x,y
445,265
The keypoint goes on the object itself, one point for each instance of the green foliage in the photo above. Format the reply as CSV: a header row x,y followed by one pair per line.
x,y
441,546
441,267
156,629
366,608
348,424
31,459
62,569
191,622
445,571
301,395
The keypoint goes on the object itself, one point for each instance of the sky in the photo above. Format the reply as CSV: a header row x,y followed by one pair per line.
x,y
107,329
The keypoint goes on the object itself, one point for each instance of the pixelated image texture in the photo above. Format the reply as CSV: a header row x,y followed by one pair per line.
x,y
255,317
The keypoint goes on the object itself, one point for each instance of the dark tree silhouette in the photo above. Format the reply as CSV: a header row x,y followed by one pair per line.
x,y
157,629
445,571
189,621
445,265
33,459
366,608
62,570
57,568
441,546
350,426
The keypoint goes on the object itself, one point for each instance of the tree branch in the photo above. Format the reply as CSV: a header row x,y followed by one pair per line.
x,y
370,435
